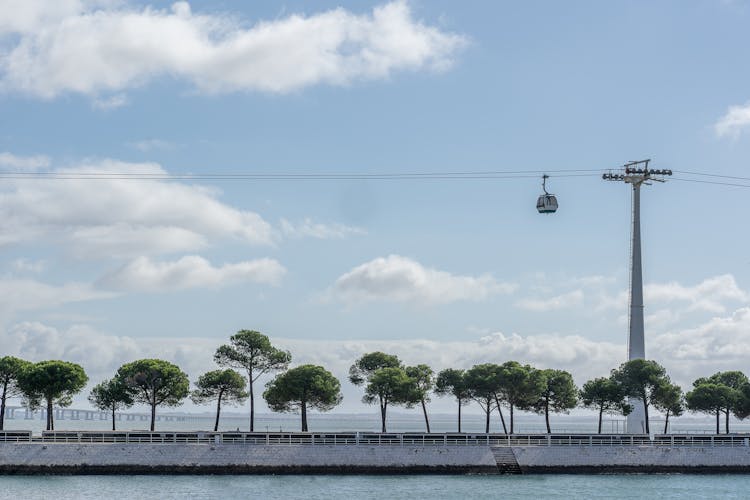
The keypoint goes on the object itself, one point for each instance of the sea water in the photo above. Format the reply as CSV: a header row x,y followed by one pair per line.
x,y
364,487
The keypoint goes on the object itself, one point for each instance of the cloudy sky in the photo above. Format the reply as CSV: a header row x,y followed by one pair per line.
x,y
440,271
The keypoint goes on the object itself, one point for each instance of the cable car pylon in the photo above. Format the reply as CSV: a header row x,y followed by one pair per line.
x,y
636,173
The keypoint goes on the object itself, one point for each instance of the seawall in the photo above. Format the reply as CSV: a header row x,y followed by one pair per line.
x,y
37,458
371,453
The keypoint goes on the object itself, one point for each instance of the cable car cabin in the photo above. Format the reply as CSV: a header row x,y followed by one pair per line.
x,y
546,204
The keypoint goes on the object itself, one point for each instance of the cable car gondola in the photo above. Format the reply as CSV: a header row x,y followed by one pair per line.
x,y
546,203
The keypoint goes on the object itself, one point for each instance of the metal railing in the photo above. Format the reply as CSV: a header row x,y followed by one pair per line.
x,y
378,439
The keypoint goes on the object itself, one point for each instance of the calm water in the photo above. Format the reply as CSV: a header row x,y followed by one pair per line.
x,y
376,487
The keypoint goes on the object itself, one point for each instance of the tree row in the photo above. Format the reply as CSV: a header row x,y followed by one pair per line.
x,y
385,380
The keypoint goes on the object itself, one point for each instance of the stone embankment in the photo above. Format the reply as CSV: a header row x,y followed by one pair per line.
x,y
290,453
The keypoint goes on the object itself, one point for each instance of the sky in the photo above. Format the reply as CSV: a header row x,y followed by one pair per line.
x,y
448,272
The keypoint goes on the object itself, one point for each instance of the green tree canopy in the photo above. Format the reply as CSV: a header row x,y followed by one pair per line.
x,y
605,395
387,386
252,351
422,382
53,383
559,394
10,369
362,372
225,386
483,385
155,382
521,387
111,395
362,369
303,387
707,397
453,382
734,380
640,378
670,400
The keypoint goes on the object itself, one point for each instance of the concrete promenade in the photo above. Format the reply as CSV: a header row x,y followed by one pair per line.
x,y
289,453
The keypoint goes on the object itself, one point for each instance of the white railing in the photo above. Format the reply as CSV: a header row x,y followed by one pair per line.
x,y
378,439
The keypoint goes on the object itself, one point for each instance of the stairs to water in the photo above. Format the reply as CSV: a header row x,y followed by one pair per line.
x,y
506,460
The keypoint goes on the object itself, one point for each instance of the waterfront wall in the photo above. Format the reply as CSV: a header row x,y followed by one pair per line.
x,y
204,458
585,459
216,459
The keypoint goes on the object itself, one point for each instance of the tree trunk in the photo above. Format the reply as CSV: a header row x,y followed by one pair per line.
x,y
304,416
511,418
50,416
114,408
218,410
645,414
726,421
426,420
383,408
666,422
718,412
500,411
459,414
601,412
252,401
487,419
153,411
546,415
2,405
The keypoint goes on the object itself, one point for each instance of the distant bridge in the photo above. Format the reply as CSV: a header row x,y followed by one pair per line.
x,y
22,413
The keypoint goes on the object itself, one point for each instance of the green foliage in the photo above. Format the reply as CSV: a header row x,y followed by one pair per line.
x,y
670,400
155,382
604,394
228,386
453,382
390,385
303,387
252,351
422,382
483,384
520,386
311,385
113,394
52,382
722,392
559,394
364,367
10,370
709,398
640,378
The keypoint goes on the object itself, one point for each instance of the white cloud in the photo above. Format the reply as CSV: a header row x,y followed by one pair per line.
x,y
147,145
734,121
308,228
111,102
28,266
401,279
710,295
190,272
563,301
117,217
88,49
27,295
23,163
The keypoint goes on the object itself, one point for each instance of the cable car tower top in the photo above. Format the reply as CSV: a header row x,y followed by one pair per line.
x,y
636,173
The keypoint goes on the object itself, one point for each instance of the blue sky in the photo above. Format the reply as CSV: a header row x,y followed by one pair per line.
x,y
448,272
